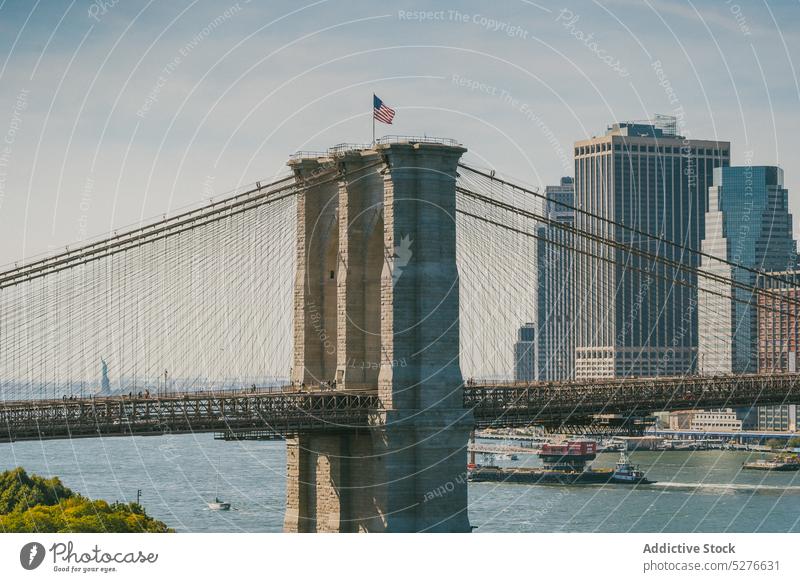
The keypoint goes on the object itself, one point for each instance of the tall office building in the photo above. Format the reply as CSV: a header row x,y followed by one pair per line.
x,y
779,322
555,338
779,341
525,354
747,223
636,316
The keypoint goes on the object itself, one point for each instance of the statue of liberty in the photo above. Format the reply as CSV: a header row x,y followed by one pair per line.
x,y
105,383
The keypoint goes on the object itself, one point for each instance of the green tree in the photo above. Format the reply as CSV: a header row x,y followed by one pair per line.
x,y
775,443
19,491
30,504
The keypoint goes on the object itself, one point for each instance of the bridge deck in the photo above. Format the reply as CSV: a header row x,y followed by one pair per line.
x,y
280,412
289,411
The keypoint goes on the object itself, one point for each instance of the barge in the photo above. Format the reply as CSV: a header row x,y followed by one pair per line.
x,y
774,464
563,464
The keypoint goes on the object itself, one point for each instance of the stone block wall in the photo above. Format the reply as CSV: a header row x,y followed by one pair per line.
x,y
315,317
395,303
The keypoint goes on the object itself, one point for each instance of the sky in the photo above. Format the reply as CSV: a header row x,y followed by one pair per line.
x,y
117,111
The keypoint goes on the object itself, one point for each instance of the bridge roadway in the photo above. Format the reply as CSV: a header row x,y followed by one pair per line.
x,y
288,411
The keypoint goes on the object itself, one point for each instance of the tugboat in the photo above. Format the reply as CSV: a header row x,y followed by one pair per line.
x,y
627,472
563,464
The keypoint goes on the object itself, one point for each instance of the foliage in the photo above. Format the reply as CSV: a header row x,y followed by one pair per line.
x,y
775,443
793,443
34,504
19,491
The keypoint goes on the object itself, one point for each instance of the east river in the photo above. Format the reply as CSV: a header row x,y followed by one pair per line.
x,y
703,491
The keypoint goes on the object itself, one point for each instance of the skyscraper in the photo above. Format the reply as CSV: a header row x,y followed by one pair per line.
x,y
747,223
636,316
779,322
525,354
778,341
555,338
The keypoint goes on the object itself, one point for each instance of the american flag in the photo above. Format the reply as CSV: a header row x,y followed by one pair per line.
x,y
381,111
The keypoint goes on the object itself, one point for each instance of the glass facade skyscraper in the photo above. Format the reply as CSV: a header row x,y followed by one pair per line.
x,y
525,354
747,223
555,286
634,317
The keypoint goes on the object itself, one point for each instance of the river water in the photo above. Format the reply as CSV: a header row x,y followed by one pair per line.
x,y
703,491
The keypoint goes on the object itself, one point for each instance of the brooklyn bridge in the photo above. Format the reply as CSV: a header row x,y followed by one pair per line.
x,y
360,306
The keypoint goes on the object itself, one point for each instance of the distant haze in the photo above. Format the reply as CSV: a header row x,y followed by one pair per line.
x,y
111,112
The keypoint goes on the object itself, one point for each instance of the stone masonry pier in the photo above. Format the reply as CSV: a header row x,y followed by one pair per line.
x,y
376,310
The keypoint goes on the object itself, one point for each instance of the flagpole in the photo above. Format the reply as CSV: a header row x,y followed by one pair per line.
x,y
373,119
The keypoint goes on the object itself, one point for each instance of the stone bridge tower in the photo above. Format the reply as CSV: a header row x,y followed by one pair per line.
x,y
377,309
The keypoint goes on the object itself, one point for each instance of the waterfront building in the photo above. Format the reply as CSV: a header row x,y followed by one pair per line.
x,y
635,316
525,354
747,223
711,420
716,421
555,260
662,420
782,418
778,341
748,416
681,419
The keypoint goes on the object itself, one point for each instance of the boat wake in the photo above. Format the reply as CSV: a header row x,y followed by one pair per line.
x,y
727,487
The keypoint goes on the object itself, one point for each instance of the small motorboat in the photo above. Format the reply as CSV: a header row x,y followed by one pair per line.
x,y
219,505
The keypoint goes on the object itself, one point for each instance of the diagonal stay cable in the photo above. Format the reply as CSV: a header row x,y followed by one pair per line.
x,y
631,229
613,262
156,231
625,247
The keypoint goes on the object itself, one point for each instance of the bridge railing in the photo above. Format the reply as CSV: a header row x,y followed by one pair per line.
x,y
282,412
390,139
287,409
341,148
142,394
543,403
307,154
